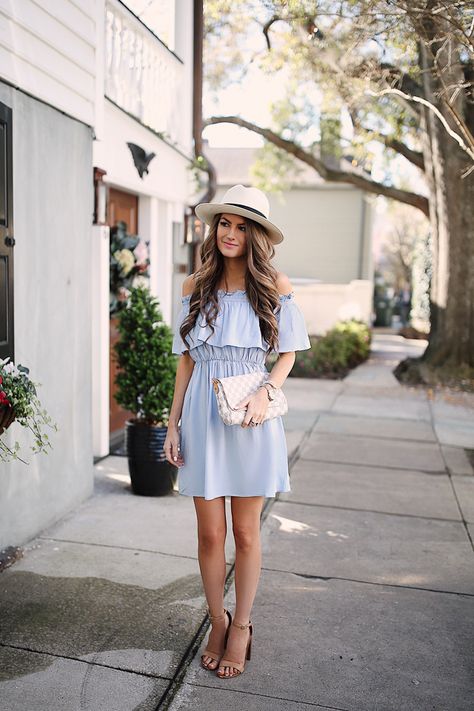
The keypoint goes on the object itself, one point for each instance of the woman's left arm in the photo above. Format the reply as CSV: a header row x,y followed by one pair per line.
x,y
257,403
282,368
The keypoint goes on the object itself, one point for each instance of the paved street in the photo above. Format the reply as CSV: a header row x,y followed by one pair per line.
x,y
366,599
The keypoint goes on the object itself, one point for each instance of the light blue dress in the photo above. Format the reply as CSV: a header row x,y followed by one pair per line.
x,y
223,460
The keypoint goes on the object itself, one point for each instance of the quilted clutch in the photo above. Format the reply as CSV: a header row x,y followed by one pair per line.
x,y
230,391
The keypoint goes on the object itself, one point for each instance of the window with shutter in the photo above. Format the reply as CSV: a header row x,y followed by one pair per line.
x,y
7,240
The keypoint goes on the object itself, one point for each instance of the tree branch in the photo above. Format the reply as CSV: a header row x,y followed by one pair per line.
x,y
266,30
330,174
459,139
402,81
415,157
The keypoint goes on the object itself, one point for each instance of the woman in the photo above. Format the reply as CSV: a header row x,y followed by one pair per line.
x,y
235,309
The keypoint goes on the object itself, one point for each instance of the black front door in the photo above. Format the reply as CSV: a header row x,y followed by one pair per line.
x,y
6,234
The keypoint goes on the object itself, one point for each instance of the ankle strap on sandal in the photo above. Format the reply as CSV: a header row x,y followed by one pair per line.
x,y
242,627
216,617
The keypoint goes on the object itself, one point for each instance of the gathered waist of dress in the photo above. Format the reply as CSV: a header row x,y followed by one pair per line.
x,y
205,352
229,360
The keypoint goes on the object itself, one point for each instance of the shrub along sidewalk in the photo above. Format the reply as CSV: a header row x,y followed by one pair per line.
x,y
334,354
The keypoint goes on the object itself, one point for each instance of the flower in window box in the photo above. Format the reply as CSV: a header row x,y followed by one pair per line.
x,y
19,401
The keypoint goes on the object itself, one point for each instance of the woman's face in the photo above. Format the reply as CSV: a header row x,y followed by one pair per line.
x,y
231,235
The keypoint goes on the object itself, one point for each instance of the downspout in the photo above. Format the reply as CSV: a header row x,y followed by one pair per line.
x,y
198,21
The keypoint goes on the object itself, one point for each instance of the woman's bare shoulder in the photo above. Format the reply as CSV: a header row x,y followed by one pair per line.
x,y
283,284
188,285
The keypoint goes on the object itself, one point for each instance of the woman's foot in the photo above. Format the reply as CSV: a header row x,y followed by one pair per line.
x,y
217,640
237,650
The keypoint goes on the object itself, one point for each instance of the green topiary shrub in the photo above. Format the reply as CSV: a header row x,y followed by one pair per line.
x,y
145,382
334,354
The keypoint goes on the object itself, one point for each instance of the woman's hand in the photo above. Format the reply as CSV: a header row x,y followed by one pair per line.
x,y
171,447
257,405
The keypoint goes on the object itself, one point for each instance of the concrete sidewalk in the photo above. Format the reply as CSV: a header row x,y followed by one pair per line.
x,y
367,588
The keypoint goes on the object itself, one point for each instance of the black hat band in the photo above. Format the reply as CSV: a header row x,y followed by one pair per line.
x,y
245,207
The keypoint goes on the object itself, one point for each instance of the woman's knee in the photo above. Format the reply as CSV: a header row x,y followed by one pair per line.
x,y
211,539
246,537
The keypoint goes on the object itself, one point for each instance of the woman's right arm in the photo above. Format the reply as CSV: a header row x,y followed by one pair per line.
x,y
183,376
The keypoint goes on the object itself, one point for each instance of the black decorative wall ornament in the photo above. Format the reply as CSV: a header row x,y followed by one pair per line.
x,y
141,159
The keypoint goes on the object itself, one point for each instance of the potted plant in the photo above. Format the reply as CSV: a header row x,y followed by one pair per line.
x,y
19,401
145,385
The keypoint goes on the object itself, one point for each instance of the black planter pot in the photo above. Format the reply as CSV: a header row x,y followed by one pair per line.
x,y
150,473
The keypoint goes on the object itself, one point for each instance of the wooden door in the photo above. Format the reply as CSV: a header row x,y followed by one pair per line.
x,y
121,206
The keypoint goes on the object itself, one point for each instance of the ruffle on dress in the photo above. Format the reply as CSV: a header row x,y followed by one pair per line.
x,y
237,325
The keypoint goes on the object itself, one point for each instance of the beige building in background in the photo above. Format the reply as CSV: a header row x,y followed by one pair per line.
x,y
327,250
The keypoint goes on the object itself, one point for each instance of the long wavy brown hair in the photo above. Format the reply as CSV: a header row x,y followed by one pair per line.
x,y
260,282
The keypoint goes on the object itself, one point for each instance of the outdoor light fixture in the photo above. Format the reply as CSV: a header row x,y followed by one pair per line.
x,y
100,197
193,228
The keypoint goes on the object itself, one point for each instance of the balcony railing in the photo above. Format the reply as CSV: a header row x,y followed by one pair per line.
x,y
142,76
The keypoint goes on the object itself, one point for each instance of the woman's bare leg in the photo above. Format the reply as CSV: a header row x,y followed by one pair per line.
x,y
246,513
212,528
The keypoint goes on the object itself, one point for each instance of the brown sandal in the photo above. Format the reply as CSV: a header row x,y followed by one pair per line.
x,y
216,656
238,666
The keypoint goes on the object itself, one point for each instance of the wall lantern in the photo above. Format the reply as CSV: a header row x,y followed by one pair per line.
x,y
193,228
100,197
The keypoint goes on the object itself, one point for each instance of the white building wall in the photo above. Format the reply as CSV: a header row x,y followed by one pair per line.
x,y
52,210
48,49
323,305
168,170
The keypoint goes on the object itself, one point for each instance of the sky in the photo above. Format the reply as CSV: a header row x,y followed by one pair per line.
x,y
251,100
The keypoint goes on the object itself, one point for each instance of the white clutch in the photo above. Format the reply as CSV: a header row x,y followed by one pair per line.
x,y
230,391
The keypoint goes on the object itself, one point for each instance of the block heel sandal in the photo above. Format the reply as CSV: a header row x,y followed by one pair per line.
x,y
216,656
237,666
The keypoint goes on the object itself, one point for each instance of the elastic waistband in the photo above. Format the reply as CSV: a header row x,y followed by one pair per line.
x,y
230,360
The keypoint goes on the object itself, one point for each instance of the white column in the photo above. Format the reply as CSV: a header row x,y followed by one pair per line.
x,y
148,231
163,272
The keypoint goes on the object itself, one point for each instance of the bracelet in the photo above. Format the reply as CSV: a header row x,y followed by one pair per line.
x,y
267,389
274,387
270,397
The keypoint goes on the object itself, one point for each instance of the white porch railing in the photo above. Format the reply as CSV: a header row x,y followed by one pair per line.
x,y
142,76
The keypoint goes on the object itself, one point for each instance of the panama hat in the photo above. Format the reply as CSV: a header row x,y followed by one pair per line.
x,y
248,202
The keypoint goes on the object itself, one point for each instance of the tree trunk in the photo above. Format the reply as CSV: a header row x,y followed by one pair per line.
x,y
452,294
452,220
